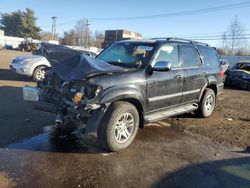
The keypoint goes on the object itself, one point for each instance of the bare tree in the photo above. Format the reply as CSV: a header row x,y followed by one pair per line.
x,y
70,38
81,35
98,39
83,32
46,36
234,37
224,46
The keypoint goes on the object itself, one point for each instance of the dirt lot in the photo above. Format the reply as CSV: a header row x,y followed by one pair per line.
x,y
230,123
187,154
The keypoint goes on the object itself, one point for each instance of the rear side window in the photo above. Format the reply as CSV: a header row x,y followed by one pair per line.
x,y
190,57
209,56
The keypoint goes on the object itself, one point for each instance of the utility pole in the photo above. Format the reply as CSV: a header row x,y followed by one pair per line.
x,y
87,24
53,27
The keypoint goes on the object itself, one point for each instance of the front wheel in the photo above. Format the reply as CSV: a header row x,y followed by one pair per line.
x,y
39,73
119,126
207,103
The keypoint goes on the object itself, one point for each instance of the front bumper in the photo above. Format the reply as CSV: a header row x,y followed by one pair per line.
x,y
90,117
31,94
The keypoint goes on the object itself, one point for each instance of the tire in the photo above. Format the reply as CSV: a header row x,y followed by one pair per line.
x,y
207,104
39,73
116,137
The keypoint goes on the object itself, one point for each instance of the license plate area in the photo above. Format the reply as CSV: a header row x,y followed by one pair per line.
x,y
30,93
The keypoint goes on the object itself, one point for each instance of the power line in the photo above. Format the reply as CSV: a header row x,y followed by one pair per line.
x,y
183,13
173,14
199,35
215,39
208,34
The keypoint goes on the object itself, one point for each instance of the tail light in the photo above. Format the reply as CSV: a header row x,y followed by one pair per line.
x,y
222,74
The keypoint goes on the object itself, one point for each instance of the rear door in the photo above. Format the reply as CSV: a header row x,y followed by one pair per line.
x,y
194,76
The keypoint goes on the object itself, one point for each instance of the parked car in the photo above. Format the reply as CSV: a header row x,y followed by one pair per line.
x,y
35,65
128,84
30,65
239,76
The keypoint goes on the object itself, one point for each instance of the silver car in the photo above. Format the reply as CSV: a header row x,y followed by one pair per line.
x,y
34,65
30,65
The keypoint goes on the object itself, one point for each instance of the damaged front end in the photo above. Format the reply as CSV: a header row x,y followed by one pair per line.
x,y
67,91
74,102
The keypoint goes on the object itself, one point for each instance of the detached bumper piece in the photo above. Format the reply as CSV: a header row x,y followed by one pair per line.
x,y
30,94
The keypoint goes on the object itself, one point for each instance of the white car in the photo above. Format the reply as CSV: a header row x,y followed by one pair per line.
x,y
30,65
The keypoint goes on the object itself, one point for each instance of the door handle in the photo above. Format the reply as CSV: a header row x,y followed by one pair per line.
x,y
177,77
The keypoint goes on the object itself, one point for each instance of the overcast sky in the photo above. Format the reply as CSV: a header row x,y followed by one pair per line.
x,y
68,12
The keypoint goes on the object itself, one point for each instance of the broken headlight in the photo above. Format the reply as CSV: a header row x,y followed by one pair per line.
x,y
84,92
91,91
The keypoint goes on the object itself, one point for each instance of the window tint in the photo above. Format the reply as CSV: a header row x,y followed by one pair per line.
x,y
168,53
243,66
209,56
190,56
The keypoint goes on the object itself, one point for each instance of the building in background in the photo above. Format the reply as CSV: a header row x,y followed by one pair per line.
x,y
117,35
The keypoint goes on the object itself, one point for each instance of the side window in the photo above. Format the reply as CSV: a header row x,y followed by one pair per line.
x,y
210,57
168,53
190,56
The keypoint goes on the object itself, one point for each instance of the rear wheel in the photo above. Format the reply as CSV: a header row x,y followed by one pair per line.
x,y
207,103
39,73
119,126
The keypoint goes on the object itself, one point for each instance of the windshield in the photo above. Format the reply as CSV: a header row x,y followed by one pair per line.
x,y
127,54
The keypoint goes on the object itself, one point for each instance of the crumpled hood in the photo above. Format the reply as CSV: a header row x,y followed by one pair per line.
x,y
70,64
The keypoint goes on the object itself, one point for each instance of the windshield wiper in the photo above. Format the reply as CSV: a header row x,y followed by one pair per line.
x,y
128,65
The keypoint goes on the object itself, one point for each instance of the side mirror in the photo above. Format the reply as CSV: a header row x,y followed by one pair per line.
x,y
162,66
222,62
224,65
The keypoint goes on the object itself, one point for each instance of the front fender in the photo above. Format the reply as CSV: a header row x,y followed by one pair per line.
x,y
123,93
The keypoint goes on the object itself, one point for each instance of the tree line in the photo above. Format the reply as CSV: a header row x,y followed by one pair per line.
x,y
234,39
23,24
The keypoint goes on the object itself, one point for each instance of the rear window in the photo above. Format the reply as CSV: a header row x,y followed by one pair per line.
x,y
190,57
209,56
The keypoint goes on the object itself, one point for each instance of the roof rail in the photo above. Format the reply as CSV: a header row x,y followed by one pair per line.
x,y
186,40
180,40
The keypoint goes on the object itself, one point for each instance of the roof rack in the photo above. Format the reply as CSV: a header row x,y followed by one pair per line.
x,y
180,40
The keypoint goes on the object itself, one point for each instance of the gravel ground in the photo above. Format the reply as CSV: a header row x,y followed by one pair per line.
x,y
229,124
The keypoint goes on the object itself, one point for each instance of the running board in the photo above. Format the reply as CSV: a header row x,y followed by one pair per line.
x,y
163,114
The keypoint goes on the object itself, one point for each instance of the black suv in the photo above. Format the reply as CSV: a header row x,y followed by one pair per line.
x,y
129,83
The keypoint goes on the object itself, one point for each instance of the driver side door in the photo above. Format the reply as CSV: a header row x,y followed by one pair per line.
x,y
164,88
